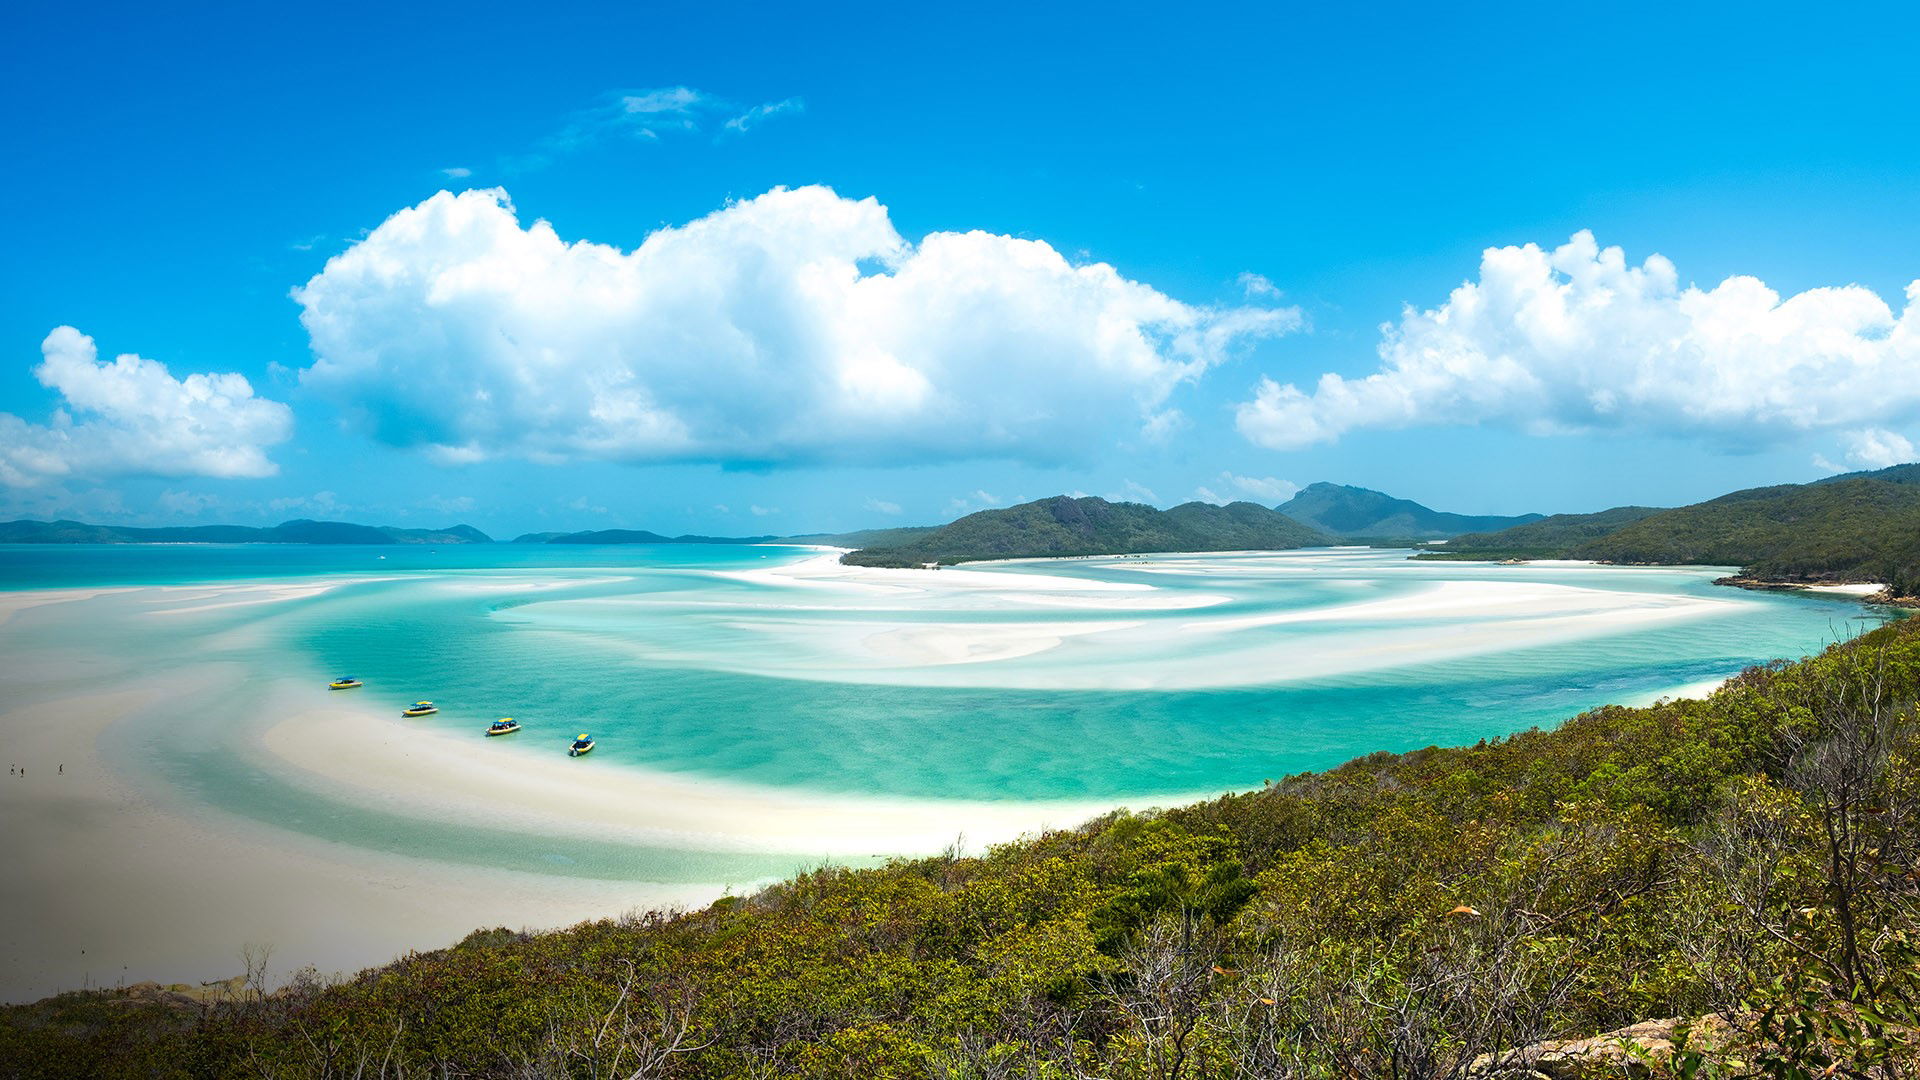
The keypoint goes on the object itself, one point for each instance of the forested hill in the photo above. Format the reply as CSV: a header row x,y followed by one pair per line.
x,y
1400,916
1063,526
287,532
1856,527
634,536
1357,512
865,538
1550,537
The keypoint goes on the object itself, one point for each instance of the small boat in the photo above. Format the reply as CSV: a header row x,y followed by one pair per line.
x,y
581,746
345,682
506,725
419,708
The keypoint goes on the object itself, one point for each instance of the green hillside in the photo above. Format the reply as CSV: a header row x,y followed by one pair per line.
x,y
1549,537
865,538
1858,529
1855,527
288,532
1749,854
1063,526
1357,512
635,536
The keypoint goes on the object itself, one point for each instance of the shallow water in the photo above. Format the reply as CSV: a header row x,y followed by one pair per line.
x,y
1144,680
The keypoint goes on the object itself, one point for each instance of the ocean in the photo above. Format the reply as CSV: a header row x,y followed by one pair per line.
x,y
757,710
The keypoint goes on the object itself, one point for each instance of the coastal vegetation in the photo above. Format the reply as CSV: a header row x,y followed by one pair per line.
x,y
1065,526
1361,514
1548,538
1744,862
1862,527
866,538
634,536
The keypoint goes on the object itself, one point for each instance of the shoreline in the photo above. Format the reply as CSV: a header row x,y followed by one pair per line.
x,y
1867,592
172,884
198,875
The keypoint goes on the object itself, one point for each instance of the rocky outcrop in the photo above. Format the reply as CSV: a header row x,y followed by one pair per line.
x,y
1627,1051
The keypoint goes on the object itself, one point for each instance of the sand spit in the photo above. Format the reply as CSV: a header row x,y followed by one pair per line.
x,y
935,628
462,778
105,885
12,603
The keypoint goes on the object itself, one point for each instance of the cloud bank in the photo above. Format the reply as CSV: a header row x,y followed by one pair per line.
x,y
1577,340
795,327
131,416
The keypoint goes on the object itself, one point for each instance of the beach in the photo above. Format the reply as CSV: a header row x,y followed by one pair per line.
x,y
106,885
191,788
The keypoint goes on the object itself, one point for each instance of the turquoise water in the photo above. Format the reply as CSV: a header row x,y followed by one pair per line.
x,y
1136,680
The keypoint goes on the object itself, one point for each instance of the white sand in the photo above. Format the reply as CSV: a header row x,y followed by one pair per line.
x,y
900,638
1477,599
103,886
827,571
440,775
976,643
14,602
1858,589
108,881
1696,691
195,599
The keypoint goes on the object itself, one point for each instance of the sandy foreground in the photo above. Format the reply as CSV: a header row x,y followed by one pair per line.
x,y
102,885
106,884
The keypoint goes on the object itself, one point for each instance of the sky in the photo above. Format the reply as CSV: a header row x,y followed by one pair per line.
x,y
772,270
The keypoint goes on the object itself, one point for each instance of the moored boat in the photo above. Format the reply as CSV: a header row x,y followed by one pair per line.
x,y
506,725
420,708
581,746
345,682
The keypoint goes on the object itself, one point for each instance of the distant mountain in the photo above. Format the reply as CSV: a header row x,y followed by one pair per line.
x,y
864,538
635,536
1357,512
287,532
1855,527
1089,526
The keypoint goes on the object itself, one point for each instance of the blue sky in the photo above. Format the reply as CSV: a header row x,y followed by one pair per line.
x,y
1109,249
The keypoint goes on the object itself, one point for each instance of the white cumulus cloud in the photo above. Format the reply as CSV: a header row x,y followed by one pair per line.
x,y
130,416
793,327
1577,339
1264,488
1870,448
